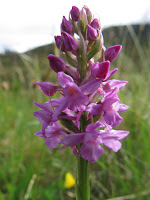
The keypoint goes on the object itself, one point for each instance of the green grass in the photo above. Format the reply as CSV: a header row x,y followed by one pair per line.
x,y
24,156
25,159
28,170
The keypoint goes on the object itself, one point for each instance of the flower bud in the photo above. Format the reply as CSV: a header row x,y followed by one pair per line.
x,y
95,24
66,26
96,47
59,43
82,22
56,63
112,52
75,13
69,41
100,70
88,14
91,33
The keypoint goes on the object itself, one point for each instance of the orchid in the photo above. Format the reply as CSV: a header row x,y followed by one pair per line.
x,y
85,115
52,135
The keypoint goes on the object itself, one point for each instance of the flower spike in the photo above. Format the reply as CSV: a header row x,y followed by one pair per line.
x,y
88,107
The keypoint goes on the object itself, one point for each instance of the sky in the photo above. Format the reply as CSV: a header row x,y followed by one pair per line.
x,y
26,24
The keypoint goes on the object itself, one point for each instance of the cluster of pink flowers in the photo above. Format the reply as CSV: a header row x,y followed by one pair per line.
x,y
85,114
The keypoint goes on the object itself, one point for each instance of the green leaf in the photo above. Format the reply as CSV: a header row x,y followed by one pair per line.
x,y
69,124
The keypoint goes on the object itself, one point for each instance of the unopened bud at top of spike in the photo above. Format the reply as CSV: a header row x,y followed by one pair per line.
x,y
95,24
59,43
91,33
88,13
66,26
75,13
69,42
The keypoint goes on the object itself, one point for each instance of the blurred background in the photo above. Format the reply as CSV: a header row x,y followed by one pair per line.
x,y
28,170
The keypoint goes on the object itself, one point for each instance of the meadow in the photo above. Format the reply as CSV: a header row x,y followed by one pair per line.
x,y
29,171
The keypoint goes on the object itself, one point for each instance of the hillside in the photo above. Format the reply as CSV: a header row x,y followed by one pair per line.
x,y
130,37
33,64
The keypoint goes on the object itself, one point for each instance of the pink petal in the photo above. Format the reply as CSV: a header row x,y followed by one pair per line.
x,y
75,151
91,151
100,70
93,135
64,79
52,142
93,126
108,103
123,108
73,139
39,133
120,134
48,88
43,116
43,106
112,52
112,118
59,109
115,145
90,86
110,73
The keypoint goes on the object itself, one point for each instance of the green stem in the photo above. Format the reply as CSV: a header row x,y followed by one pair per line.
x,y
82,181
82,178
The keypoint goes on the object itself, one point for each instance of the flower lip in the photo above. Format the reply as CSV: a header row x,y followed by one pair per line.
x,y
72,91
64,79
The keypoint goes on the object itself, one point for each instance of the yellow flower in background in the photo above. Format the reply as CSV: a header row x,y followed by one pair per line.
x,y
69,180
